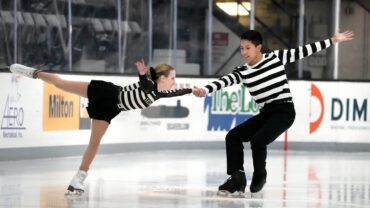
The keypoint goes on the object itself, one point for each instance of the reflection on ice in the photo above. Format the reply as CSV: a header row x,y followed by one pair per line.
x,y
188,179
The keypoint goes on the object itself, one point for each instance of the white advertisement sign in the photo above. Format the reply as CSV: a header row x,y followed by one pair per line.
x,y
340,112
37,114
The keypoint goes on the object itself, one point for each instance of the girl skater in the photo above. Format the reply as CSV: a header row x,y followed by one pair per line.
x,y
107,100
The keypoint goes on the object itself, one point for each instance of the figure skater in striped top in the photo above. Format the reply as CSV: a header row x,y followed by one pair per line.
x,y
265,77
107,100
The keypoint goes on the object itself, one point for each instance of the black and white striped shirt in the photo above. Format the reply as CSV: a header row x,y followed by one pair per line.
x,y
142,94
267,80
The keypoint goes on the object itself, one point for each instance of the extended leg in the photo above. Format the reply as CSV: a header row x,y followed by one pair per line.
x,y
75,87
98,129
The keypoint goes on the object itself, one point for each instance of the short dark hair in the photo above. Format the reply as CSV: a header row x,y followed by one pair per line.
x,y
253,36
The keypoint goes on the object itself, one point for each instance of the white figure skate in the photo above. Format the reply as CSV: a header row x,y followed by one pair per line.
x,y
77,186
24,70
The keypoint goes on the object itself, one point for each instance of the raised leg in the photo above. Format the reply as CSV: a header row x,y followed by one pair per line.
x,y
75,87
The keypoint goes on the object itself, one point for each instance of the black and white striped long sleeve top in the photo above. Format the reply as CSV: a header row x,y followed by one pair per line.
x,y
142,94
267,80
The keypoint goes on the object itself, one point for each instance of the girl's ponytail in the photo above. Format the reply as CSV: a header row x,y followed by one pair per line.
x,y
153,74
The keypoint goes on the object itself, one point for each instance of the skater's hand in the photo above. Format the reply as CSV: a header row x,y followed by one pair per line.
x,y
199,92
141,68
344,36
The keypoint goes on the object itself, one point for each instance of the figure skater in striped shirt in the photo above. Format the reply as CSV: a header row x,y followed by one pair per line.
x,y
107,100
265,77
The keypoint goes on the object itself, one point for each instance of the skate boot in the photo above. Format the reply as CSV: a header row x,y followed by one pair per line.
x,y
77,184
258,181
24,70
233,186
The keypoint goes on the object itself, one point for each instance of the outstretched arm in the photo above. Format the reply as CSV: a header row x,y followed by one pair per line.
x,y
291,55
341,37
230,79
199,92
145,84
141,67
174,93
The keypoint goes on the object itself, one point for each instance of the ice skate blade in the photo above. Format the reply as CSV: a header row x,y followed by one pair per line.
x,y
257,195
74,193
236,194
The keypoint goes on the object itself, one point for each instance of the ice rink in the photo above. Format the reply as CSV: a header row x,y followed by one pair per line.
x,y
189,178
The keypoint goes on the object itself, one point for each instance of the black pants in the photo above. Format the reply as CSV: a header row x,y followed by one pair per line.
x,y
260,131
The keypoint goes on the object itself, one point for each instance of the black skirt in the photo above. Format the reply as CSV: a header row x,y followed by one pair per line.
x,y
103,99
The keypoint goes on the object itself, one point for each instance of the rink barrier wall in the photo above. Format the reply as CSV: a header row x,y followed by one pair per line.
x,y
36,117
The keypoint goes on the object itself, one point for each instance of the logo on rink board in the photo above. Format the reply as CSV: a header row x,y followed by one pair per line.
x,y
345,112
12,121
227,109
316,93
62,110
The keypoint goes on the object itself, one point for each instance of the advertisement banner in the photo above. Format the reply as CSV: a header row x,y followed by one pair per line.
x,y
37,114
63,110
19,111
340,111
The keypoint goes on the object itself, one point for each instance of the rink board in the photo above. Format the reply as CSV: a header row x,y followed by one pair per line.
x,y
34,114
